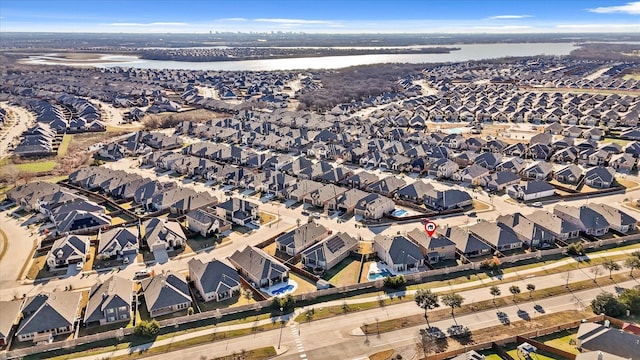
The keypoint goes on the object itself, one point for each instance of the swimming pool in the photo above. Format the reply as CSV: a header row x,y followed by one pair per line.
x,y
282,290
399,213
381,274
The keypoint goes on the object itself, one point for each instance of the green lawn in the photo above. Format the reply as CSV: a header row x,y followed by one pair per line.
x,y
64,145
561,340
36,167
616,141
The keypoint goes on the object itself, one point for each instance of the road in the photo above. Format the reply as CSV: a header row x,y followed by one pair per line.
x,y
23,119
334,338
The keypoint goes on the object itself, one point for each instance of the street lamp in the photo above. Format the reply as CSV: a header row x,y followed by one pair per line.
x,y
281,326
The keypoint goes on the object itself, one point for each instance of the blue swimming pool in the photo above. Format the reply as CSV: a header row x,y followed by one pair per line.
x,y
283,290
399,213
379,275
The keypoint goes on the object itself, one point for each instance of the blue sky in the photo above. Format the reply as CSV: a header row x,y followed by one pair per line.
x,y
320,16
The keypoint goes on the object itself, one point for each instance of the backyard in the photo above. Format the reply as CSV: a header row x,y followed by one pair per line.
x,y
345,273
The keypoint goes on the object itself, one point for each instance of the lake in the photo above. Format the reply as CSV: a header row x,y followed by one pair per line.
x,y
466,53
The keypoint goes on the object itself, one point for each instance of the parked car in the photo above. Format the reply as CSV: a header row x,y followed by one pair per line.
x,y
536,204
79,266
142,274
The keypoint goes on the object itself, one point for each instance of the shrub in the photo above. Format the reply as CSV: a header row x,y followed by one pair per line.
x,y
608,304
395,282
575,249
147,328
287,303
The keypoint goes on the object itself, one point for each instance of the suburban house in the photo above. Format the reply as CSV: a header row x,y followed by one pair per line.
x,y
437,248
618,220
48,314
206,222
109,302
238,211
499,236
514,165
79,220
560,229
162,234
531,190
623,163
570,174
301,189
600,339
498,181
324,195
599,177
467,243
67,250
374,206
398,252
9,311
472,174
214,280
387,186
348,200
301,238
329,252
540,170
166,293
117,242
586,219
442,168
530,233
415,192
259,268
360,180
447,199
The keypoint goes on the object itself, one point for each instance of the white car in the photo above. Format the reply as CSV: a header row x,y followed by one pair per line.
x,y
79,266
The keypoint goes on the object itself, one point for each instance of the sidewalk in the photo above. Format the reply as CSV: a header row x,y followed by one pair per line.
x,y
541,282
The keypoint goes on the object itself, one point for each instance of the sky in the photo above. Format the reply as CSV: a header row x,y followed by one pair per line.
x,y
320,16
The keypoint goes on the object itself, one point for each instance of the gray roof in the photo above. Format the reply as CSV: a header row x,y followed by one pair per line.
x,y
49,311
331,247
69,245
303,236
215,276
465,241
552,222
589,217
497,235
110,294
400,249
605,174
416,190
614,216
594,337
9,311
121,239
165,290
258,263
524,227
429,242
162,230
533,187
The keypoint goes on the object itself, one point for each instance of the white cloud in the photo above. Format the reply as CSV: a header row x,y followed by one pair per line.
x,y
292,21
508,27
508,17
234,19
150,24
632,8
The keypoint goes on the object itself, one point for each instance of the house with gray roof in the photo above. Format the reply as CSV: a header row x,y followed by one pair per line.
x,y
387,186
117,242
513,165
498,181
67,250
447,199
29,194
531,190
471,174
374,206
109,302
215,280
162,234
599,177
623,163
540,170
9,311
48,314
499,236
442,168
302,189
206,222
437,248
560,229
348,200
323,196
360,180
570,174
329,252
415,192
618,220
166,293
529,232
258,267
586,219
593,337
238,211
300,238
398,252
466,242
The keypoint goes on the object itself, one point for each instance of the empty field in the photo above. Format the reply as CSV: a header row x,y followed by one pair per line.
x,y
36,167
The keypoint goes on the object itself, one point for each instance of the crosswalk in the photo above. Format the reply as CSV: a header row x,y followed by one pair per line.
x,y
295,332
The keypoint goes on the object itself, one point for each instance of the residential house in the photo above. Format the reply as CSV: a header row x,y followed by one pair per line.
x,y
166,293
514,165
206,222
447,199
442,168
300,238
302,189
329,252
531,190
387,186
162,234
348,200
48,314
472,174
398,252
259,268
109,301
374,206
618,220
360,180
498,235
586,219
437,248
324,195
466,242
214,280
67,250
529,232
488,160
570,175
599,177
560,229
117,242
623,163
238,211
594,157
9,311
499,181
600,339
540,170
415,191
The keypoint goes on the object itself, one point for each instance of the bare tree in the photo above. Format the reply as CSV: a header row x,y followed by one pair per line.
x,y
596,270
